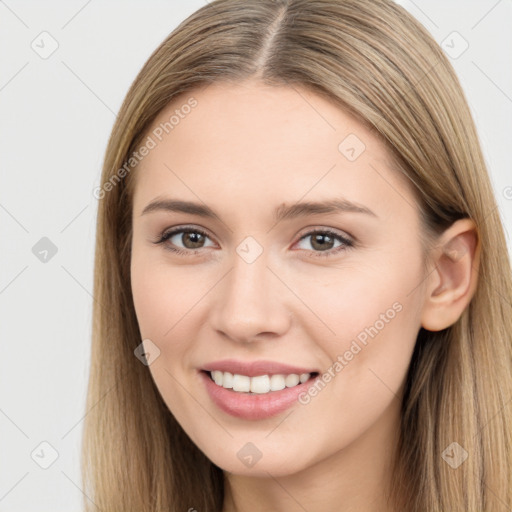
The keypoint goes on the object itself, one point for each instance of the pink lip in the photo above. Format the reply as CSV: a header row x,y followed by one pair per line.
x,y
254,406
255,368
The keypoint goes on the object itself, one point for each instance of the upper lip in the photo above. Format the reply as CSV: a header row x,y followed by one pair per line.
x,y
255,368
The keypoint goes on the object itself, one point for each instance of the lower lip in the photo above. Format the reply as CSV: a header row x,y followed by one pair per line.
x,y
254,406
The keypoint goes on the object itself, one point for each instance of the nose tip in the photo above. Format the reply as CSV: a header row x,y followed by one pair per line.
x,y
248,305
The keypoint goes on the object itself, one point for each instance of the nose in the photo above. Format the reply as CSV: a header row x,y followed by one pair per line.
x,y
248,305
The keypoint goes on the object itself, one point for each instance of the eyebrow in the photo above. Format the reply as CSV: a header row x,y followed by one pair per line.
x,y
283,212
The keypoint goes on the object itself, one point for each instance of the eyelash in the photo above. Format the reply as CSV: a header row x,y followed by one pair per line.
x,y
346,243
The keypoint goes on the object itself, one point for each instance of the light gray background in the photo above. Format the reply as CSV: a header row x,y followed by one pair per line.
x,y
56,116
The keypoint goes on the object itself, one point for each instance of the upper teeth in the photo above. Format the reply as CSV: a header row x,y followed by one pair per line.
x,y
259,384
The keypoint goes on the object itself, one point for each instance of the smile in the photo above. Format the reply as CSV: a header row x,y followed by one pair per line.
x,y
273,395
260,384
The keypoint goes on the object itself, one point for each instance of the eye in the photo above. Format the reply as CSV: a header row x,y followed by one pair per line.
x,y
190,239
323,242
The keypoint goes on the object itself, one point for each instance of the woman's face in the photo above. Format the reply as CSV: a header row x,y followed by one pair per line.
x,y
267,276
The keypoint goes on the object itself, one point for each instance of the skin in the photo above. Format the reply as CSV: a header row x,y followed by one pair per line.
x,y
244,150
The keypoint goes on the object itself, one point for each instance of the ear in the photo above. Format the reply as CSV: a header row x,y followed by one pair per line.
x,y
452,283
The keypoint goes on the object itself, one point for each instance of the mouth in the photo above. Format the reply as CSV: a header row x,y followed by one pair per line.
x,y
258,397
260,384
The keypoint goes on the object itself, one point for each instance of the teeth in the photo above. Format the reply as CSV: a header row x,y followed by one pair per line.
x,y
227,380
217,377
277,382
258,385
240,383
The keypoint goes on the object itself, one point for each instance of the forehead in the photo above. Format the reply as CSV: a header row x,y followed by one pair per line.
x,y
272,143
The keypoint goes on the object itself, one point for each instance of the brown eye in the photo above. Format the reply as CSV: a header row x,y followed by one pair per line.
x,y
184,240
325,242
192,239
322,242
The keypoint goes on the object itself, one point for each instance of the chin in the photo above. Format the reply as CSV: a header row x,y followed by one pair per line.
x,y
254,459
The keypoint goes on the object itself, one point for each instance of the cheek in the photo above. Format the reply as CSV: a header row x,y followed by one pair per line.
x,y
149,301
373,363
162,295
374,320
162,299
167,302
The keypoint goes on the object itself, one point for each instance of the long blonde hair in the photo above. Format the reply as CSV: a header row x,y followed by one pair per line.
x,y
379,64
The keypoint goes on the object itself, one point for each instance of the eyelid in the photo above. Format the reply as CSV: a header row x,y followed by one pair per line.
x,y
310,230
346,242
346,239
304,232
164,236
186,227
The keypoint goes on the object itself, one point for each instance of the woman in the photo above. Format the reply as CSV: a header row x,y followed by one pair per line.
x,y
302,283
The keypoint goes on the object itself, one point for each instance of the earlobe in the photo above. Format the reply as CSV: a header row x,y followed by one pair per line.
x,y
452,284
